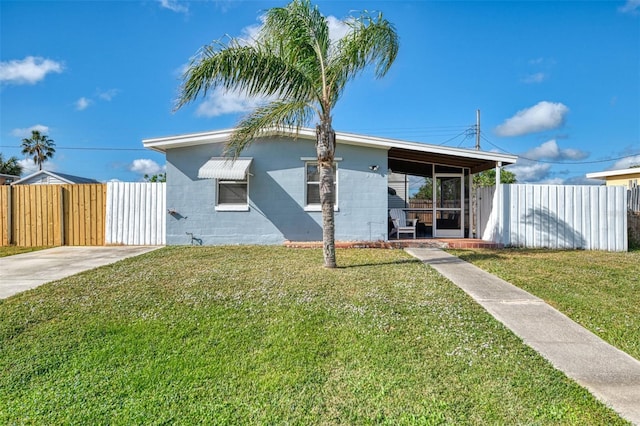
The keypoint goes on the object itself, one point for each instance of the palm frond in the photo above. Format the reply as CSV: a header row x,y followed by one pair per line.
x,y
277,115
251,69
371,42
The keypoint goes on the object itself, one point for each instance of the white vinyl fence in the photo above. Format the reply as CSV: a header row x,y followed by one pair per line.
x,y
555,216
136,213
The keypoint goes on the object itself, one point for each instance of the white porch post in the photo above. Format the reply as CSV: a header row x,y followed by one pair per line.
x,y
500,216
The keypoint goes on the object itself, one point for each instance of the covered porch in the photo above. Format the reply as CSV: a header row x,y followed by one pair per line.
x,y
433,187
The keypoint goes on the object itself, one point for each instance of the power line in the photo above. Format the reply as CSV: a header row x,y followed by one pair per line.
x,y
559,162
79,148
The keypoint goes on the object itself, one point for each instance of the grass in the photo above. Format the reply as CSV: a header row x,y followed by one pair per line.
x,y
599,290
253,335
11,250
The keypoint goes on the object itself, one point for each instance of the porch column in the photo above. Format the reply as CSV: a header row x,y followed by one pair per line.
x,y
499,215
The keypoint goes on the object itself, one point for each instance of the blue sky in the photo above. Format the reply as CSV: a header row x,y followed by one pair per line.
x,y
557,83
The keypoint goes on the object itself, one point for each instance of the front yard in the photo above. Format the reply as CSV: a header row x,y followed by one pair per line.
x,y
598,290
237,335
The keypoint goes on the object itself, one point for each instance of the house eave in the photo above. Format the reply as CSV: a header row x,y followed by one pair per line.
x,y
222,136
612,173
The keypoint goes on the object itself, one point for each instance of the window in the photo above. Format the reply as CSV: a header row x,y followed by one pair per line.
x,y
312,186
232,195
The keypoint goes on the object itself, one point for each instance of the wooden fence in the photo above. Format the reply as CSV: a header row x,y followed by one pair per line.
x,y
633,199
83,215
555,216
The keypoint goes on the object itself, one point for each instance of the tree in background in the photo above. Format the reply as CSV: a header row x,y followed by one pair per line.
x,y
294,63
38,146
488,178
159,177
10,166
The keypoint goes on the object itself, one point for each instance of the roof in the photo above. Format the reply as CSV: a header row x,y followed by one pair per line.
x,y
399,150
63,177
611,173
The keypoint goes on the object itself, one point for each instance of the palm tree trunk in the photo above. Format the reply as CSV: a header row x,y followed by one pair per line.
x,y
325,147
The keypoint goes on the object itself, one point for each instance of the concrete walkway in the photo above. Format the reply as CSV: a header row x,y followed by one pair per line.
x,y
608,373
29,270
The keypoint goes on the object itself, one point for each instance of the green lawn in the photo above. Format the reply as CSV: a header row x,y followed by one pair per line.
x,y
265,335
599,290
11,250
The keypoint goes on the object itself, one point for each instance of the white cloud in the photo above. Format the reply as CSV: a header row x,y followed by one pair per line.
x,y
219,102
29,167
83,103
145,166
626,163
551,151
631,6
529,171
107,95
337,28
29,70
542,116
26,132
174,6
538,77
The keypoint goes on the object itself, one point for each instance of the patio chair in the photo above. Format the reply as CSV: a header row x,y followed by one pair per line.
x,y
401,225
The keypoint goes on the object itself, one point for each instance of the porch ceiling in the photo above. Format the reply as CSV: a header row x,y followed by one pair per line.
x,y
412,162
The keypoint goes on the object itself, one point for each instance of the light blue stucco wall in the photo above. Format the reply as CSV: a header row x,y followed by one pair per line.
x,y
276,196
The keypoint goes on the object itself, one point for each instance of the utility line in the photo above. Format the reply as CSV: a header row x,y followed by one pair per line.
x,y
558,162
85,148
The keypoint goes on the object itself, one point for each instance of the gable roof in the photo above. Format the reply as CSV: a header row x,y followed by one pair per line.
x,y
611,173
62,177
399,150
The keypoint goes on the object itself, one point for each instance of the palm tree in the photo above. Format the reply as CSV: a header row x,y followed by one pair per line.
x,y
294,63
40,146
10,166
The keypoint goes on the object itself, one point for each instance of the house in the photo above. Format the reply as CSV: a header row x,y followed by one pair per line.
x,y
8,179
43,177
271,193
624,177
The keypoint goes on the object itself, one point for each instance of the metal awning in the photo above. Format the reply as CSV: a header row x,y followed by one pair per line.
x,y
225,168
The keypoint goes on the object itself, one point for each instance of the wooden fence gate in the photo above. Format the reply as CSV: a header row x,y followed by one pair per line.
x,y
52,215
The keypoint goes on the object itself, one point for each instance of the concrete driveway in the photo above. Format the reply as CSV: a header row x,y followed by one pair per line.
x,y
29,270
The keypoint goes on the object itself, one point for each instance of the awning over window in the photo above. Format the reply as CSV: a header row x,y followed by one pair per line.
x,y
225,168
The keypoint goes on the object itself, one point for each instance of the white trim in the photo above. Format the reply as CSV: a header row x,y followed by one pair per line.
x,y
316,159
318,207
231,207
621,172
222,136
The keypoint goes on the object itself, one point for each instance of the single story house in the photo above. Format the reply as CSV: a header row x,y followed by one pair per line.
x,y
270,194
623,177
45,177
6,179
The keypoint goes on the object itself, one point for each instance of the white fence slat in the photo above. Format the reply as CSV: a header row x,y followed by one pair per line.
x,y
136,213
553,216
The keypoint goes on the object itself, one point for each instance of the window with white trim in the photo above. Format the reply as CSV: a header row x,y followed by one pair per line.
x,y
312,186
232,195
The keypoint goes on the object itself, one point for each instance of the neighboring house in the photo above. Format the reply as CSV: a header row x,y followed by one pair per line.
x,y
624,177
271,193
8,179
43,177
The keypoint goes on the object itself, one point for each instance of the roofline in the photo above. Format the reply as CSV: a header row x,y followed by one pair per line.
x,y
619,172
161,144
39,172
60,176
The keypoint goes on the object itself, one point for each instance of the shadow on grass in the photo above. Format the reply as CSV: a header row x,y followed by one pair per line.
x,y
365,265
471,256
